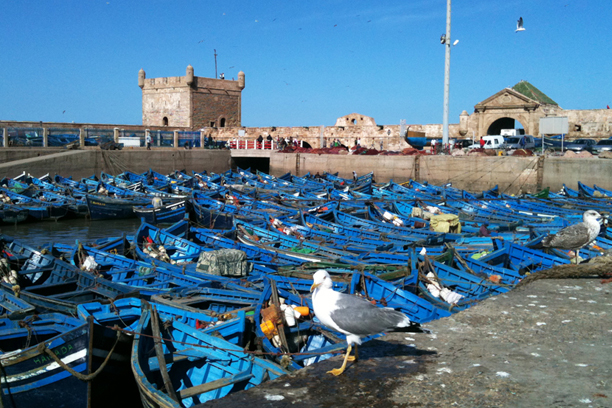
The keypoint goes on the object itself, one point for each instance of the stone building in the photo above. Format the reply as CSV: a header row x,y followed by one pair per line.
x,y
190,101
526,104
355,119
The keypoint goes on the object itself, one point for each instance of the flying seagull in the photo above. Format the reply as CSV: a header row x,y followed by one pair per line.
x,y
351,315
519,25
575,236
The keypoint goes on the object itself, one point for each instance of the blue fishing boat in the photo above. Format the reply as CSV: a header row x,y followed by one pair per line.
x,y
190,367
12,214
49,283
164,214
31,377
218,301
103,207
12,307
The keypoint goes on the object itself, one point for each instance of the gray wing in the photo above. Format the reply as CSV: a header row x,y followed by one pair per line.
x,y
572,237
358,316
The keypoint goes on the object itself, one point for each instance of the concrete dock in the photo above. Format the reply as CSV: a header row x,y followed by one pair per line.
x,y
548,344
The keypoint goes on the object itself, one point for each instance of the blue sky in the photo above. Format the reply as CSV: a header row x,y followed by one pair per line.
x,y
306,63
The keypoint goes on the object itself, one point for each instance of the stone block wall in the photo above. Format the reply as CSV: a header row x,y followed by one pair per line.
x,y
173,103
209,107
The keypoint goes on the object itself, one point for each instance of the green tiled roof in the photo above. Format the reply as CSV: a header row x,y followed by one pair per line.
x,y
532,92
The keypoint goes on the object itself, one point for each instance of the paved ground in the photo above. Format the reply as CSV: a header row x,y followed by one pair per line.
x,y
548,344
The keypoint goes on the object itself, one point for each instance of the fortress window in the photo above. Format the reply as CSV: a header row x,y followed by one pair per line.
x,y
354,121
222,122
165,121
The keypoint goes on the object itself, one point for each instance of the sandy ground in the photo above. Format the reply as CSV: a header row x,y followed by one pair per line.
x,y
548,344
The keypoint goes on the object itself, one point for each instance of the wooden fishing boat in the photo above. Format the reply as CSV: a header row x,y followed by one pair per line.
x,y
103,207
49,283
31,376
164,214
190,367
12,307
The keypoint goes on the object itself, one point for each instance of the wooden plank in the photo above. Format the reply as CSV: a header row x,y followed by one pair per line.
x,y
159,350
216,384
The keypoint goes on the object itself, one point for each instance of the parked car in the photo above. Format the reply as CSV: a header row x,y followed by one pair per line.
x,y
491,142
604,145
514,142
580,145
462,143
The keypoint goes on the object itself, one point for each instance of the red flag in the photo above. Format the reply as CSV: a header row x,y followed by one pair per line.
x,y
608,106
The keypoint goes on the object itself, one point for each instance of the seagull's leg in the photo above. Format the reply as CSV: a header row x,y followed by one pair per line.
x,y
355,357
338,371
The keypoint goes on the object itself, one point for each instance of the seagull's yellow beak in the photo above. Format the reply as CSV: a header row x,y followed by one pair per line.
x,y
314,286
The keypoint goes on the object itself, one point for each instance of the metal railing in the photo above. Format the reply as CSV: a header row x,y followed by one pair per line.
x,y
252,144
95,137
25,136
189,139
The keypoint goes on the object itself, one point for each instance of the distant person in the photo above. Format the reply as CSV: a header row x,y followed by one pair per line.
x,y
484,231
482,143
354,176
222,76
148,140
259,140
523,142
269,138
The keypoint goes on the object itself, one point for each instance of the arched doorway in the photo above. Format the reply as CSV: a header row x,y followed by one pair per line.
x,y
503,123
165,121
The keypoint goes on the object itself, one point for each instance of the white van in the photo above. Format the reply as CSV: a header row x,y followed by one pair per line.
x,y
514,142
491,142
512,132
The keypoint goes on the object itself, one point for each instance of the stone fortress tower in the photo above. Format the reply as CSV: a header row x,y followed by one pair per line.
x,y
190,101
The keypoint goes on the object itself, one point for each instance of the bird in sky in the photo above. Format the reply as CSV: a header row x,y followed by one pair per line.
x,y
201,41
575,236
519,25
63,112
354,316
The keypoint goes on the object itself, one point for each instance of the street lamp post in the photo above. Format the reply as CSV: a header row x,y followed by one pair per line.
x,y
447,45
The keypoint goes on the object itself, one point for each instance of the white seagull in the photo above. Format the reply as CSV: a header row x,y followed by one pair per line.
x,y
351,315
519,25
575,236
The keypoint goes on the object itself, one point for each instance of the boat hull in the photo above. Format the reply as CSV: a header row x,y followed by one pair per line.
x,y
32,379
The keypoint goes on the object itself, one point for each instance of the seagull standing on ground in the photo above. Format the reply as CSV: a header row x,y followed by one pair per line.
x,y
351,315
575,236
519,25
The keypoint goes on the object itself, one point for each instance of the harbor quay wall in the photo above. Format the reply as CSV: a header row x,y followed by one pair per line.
x,y
383,168
7,155
472,173
512,174
84,163
561,170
